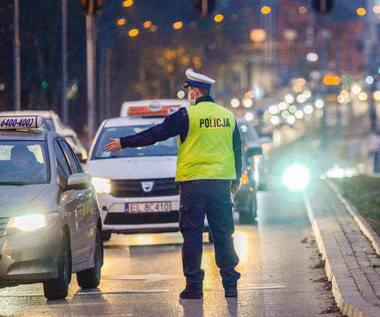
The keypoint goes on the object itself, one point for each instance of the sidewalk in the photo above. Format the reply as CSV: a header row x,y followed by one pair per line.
x,y
352,260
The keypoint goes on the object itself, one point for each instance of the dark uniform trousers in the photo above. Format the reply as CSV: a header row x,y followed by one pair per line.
x,y
211,198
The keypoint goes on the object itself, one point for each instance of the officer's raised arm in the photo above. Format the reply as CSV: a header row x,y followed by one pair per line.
x,y
175,124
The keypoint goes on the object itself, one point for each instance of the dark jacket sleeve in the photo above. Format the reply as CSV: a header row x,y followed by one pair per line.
x,y
175,124
237,146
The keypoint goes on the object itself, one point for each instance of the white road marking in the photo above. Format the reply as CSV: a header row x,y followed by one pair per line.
x,y
146,277
134,291
252,287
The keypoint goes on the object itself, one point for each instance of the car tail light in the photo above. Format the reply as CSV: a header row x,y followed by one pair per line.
x,y
244,179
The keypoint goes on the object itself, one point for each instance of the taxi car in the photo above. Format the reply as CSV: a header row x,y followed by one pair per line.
x,y
49,217
136,188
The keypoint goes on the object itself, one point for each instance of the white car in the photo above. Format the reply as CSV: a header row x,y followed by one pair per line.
x,y
135,186
72,138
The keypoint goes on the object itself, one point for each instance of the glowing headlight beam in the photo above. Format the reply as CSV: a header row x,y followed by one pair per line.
x,y
102,185
296,177
28,222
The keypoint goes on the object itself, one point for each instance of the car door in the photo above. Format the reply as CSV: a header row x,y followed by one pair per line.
x,y
69,200
86,215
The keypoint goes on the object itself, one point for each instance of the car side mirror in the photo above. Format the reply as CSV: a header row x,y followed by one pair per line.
x,y
256,150
78,181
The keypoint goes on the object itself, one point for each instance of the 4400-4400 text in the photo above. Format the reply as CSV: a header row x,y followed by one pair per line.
x,y
22,123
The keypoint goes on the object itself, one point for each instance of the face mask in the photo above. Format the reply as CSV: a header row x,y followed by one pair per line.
x,y
192,100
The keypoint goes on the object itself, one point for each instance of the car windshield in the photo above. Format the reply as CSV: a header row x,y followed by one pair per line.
x,y
248,134
165,148
23,163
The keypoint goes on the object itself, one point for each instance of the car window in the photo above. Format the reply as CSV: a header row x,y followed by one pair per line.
x,y
168,147
75,166
23,162
63,168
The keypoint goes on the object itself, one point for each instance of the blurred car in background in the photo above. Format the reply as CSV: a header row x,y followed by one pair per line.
x,y
254,176
52,120
72,138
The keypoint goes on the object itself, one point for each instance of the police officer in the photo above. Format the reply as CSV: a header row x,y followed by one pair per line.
x,y
208,170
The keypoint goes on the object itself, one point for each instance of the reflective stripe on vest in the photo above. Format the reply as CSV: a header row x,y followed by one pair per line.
x,y
207,152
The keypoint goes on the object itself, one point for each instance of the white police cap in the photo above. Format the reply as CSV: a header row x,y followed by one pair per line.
x,y
197,80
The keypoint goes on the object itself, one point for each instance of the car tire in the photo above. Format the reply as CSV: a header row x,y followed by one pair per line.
x,y
248,216
105,235
58,288
90,278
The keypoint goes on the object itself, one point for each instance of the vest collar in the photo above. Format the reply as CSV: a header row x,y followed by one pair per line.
x,y
204,99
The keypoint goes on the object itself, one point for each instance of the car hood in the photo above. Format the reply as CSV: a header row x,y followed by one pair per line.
x,y
15,200
133,167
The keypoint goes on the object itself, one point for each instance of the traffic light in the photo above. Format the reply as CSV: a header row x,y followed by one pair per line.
x,y
204,7
91,6
322,6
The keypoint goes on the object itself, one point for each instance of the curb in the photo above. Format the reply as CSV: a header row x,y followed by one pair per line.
x,y
348,308
360,221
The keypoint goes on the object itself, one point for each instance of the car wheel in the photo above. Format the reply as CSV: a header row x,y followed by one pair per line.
x,y
106,235
90,278
248,216
58,288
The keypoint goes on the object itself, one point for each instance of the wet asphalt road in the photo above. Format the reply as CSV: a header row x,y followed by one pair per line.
x,y
142,275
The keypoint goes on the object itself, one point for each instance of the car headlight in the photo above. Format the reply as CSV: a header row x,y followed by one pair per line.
x,y
296,177
27,223
102,185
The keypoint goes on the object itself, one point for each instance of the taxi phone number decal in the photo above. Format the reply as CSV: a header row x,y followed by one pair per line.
x,y
17,123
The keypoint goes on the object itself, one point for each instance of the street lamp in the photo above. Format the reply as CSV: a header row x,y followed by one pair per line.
x,y
257,35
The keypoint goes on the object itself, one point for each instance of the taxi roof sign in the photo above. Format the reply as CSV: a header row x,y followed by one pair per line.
x,y
152,110
21,122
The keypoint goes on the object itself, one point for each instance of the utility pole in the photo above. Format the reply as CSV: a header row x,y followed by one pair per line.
x,y
90,35
90,9
372,58
65,110
326,37
16,58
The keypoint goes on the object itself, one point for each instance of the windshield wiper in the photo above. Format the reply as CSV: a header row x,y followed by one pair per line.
x,y
14,183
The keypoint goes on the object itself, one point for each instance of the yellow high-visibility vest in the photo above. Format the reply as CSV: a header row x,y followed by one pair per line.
x,y
207,152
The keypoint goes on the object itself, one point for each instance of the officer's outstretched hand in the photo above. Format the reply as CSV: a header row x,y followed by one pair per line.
x,y
114,146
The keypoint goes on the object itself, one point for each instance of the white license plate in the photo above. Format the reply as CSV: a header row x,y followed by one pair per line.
x,y
164,206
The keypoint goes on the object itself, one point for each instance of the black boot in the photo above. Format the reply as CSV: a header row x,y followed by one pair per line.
x,y
191,292
230,292
230,289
